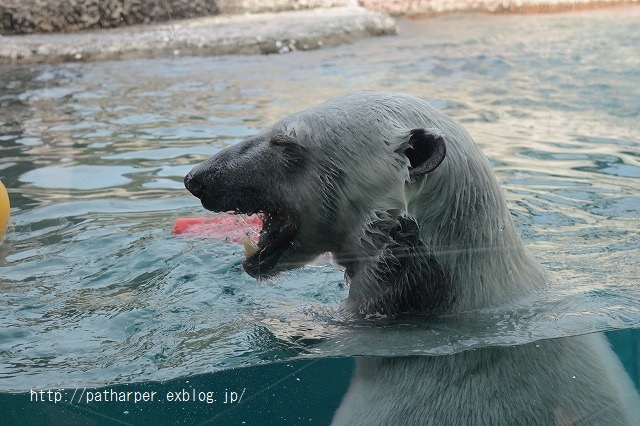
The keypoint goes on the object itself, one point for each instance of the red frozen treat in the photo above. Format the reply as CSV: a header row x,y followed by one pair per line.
x,y
224,227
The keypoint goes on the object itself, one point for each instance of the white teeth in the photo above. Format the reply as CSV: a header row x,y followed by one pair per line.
x,y
250,248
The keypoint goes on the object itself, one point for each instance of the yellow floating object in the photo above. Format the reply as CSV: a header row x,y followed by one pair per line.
x,y
4,210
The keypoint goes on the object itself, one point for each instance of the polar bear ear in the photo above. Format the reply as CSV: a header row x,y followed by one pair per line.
x,y
425,151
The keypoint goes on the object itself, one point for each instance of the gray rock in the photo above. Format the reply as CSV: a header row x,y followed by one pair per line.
x,y
33,16
434,7
261,6
240,34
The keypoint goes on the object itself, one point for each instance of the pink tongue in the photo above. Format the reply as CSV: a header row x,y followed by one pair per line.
x,y
224,227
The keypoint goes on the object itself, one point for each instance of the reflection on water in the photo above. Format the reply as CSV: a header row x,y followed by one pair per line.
x,y
95,290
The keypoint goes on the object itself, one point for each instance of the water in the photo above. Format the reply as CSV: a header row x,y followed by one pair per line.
x,y
95,291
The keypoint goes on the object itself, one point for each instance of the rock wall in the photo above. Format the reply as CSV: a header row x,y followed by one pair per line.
x,y
258,33
259,6
34,16
432,7
29,16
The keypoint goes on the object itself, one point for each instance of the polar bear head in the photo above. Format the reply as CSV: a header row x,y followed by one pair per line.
x,y
373,178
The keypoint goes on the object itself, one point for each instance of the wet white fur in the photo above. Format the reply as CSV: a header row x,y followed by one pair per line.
x,y
570,381
464,220
460,206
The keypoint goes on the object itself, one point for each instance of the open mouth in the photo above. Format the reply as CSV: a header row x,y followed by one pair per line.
x,y
279,226
278,232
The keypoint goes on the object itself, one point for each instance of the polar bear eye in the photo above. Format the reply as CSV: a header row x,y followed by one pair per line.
x,y
283,140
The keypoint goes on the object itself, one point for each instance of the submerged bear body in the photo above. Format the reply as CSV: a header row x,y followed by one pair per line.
x,y
570,381
407,203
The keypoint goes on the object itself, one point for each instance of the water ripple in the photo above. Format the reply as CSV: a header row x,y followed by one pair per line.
x,y
95,290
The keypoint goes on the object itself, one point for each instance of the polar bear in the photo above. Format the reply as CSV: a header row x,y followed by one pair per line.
x,y
406,202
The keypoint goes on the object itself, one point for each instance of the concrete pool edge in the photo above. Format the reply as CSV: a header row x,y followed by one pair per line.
x,y
262,33
258,33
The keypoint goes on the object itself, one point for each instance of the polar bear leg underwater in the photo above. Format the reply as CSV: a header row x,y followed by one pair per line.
x,y
404,199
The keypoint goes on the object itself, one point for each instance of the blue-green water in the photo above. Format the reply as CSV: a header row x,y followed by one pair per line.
x,y
96,292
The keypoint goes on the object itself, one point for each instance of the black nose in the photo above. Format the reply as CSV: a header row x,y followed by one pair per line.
x,y
193,185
